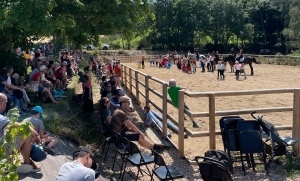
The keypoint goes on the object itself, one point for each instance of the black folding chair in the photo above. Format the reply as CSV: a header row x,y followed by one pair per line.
x,y
105,133
250,142
137,159
120,151
164,172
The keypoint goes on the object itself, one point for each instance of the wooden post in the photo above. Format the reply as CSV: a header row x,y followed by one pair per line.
x,y
147,89
212,122
125,71
137,95
165,110
130,81
296,120
181,124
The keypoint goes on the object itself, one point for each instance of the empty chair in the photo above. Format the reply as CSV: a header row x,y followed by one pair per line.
x,y
250,142
106,134
215,166
136,158
164,172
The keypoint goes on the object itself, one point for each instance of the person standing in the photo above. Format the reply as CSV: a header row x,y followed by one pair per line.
x,y
237,70
173,92
143,62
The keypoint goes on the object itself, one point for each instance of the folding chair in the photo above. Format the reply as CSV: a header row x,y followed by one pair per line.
x,y
136,158
120,151
250,142
106,134
164,172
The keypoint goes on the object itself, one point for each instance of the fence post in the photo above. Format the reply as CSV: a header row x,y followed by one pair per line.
x,y
181,124
137,95
147,89
212,124
125,71
130,81
296,120
165,110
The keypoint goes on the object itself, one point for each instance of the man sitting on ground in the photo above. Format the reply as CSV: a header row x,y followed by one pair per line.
x,y
81,169
121,123
24,145
36,114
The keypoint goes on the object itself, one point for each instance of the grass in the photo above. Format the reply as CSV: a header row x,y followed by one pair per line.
x,y
66,118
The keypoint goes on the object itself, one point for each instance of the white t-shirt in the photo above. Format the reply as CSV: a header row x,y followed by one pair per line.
x,y
8,80
218,66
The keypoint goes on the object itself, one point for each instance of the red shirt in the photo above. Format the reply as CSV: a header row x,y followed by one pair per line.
x,y
57,73
35,76
117,71
109,67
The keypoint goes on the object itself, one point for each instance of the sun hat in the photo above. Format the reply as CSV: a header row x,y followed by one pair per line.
x,y
85,149
172,83
38,109
124,99
42,67
121,92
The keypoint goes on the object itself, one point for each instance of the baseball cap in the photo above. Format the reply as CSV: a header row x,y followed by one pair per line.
x,y
172,83
121,92
42,67
85,149
38,109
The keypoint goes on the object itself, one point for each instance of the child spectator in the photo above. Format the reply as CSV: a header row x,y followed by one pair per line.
x,y
219,69
148,119
222,70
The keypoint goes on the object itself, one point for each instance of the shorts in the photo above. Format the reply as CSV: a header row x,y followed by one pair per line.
x,y
40,88
131,136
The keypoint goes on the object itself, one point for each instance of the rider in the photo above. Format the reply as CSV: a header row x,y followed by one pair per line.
x,y
233,52
240,56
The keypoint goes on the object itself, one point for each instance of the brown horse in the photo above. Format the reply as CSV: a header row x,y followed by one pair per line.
x,y
248,60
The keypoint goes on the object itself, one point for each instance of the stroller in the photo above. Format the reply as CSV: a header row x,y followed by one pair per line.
x,y
274,145
215,166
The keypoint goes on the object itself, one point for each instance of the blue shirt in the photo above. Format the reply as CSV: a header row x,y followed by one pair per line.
x,y
147,115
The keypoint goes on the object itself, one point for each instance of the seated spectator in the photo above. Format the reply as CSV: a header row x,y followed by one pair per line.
x,y
9,94
103,80
115,101
38,77
60,74
24,145
104,113
81,169
35,68
123,125
57,85
113,83
43,137
24,101
107,90
33,61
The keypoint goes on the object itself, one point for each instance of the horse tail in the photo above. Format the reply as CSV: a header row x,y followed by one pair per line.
x,y
254,60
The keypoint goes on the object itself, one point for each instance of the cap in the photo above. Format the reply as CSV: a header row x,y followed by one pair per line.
x,y
64,63
172,83
38,109
42,67
124,98
121,92
85,149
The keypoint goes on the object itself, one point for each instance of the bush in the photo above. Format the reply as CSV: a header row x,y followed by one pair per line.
x,y
11,58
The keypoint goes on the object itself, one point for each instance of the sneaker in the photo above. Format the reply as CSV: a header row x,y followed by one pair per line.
x,y
24,168
195,125
49,150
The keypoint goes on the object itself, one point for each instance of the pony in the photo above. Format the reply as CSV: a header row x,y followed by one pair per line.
x,y
248,60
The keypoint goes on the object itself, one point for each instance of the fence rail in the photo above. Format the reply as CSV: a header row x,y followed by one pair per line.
x,y
133,76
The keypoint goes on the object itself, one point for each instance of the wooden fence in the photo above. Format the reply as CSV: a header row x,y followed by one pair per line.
x,y
130,77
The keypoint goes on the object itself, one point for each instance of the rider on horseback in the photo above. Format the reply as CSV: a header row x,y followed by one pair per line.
x,y
233,52
240,57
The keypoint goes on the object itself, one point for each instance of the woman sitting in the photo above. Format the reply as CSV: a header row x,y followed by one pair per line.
x,y
57,85
60,74
38,77
104,112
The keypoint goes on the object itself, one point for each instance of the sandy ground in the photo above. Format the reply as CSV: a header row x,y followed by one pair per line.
x,y
265,77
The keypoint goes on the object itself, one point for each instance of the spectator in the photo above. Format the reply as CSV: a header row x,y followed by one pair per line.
x,y
104,113
24,145
36,68
118,73
38,77
33,61
81,169
9,94
24,101
27,56
43,137
115,101
123,125
60,74
148,119
50,76
87,92
107,90
173,92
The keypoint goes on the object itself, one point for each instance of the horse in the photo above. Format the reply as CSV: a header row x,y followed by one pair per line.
x,y
248,60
